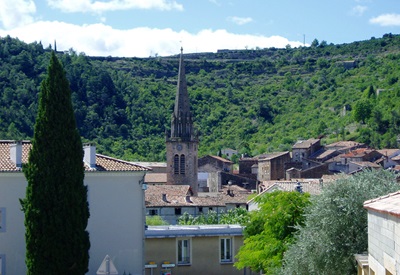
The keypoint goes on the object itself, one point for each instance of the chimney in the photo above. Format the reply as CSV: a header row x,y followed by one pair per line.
x,y
16,153
164,197
89,155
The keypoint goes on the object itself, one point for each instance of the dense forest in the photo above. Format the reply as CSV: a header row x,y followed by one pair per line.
x,y
252,100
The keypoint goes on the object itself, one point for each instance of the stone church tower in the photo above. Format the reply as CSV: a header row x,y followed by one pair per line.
x,y
182,143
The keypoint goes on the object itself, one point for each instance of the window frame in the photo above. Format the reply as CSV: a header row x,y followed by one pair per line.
x,y
2,264
182,164
176,164
178,211
153,212
3,216
225,255
187,253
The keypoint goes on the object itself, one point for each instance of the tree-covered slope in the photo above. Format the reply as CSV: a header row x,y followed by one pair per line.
x,y
251,100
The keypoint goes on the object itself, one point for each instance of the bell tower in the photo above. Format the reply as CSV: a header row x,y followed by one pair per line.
x,y
182,142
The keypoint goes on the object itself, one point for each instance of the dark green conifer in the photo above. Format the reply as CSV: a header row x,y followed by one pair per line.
x,y
56,207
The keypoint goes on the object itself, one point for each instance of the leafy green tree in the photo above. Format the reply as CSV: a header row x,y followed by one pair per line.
x,y
155,220
56,208
237,215
336,225
271,230
362,110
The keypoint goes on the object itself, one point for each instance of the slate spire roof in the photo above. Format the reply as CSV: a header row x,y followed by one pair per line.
x,y
181,121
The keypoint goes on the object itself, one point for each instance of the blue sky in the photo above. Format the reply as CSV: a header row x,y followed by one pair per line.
x,y
145,28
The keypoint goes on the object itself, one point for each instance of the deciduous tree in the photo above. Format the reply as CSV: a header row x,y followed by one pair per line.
x,y
336,225
270,230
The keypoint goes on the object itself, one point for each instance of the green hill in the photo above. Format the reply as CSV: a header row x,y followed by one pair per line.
x,y
255,101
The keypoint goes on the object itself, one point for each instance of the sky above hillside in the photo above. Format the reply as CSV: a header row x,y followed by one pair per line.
x,y
144,28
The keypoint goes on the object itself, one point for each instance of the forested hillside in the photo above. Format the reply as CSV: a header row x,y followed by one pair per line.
x,y
256,101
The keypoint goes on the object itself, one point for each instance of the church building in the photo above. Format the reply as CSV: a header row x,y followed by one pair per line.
x,y
182,142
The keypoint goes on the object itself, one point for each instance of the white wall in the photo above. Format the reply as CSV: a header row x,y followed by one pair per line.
x,y
116,223
12,240
383,242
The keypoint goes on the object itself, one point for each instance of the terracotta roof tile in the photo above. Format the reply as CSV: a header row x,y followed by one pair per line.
x,y
103,163
305,143
360,152
155,178
221,159
181,195
344,144
389,204
272,155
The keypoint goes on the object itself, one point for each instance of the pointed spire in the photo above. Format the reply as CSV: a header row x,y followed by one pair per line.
x,y
181,122
182,98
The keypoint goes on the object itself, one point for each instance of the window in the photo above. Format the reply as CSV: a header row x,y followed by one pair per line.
x,y
178,211
153,212
200,209
183,252
2,220
226,250
182,165
176,164
2,264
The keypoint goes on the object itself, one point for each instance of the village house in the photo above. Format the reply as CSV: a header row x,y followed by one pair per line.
x,y
200,249
171,201
383,236
304,149
115,197
228,152
311,186
272,166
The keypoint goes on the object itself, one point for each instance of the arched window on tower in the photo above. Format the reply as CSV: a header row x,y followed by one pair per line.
x,y
176,164
182,164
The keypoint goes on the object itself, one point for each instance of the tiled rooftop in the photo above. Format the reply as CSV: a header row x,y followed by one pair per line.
x,y
389,152
357,153
151,178
181,195
389,204
343,144
305,143
221,159
272,155
103,163
311,186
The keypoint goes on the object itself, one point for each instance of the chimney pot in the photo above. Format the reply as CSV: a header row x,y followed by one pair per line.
x,y
90,155
16,153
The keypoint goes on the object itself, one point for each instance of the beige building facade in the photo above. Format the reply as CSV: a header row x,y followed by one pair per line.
x,y
179,250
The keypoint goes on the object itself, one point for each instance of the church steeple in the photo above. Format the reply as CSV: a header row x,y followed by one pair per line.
x,y
181,121
182,142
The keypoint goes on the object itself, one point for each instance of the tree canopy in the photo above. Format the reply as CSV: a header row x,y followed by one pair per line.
x,y
335,226
270,230
241,99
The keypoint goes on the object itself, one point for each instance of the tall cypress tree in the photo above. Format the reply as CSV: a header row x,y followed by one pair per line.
x,y
56,207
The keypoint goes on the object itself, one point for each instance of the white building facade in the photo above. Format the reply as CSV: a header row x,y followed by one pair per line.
x,y
116,203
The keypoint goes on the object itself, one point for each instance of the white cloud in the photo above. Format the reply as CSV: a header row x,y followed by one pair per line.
x,y
103,40
14,13
112,5
386,20
240,20
359,10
